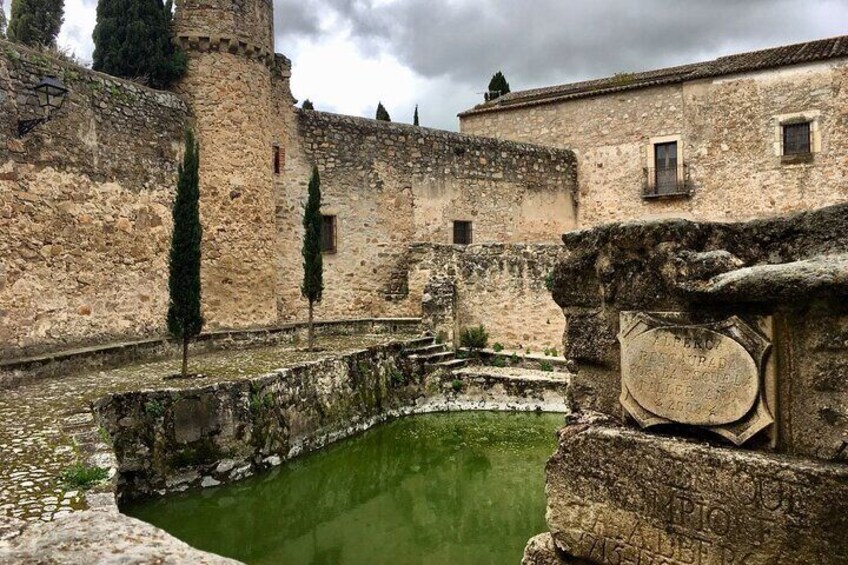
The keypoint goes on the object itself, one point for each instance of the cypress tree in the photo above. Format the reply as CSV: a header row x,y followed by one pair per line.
x,y
307,105
36,22
498,86
313,264
382,114
184,318
415,117
2,21
132,39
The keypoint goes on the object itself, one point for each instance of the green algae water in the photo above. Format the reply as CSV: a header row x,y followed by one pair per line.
x,y
463,488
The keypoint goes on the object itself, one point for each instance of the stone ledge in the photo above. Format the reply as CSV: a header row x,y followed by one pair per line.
x,y
14,372
97,536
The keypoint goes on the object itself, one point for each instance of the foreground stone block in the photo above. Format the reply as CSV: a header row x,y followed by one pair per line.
x,y
620,496
98,537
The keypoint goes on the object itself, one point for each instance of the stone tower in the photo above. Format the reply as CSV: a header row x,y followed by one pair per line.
x,y
230,44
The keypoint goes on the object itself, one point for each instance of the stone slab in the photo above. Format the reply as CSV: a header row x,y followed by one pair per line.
x,y
620,496
98,536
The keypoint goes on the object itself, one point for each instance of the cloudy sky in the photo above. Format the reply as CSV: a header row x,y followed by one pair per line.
x,y
350,54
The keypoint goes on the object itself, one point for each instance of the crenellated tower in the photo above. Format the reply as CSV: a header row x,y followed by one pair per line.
x,y
230,44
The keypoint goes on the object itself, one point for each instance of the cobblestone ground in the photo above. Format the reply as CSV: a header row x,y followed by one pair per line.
x,y
36,444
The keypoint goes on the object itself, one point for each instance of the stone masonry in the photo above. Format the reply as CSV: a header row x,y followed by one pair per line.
x,y
728,133
84,207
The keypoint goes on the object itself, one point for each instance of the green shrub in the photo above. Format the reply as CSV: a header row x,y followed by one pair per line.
x,y
549,282
474,337
83,476
498,361
154,408
456,385
546,366
396,376
514,359
498,347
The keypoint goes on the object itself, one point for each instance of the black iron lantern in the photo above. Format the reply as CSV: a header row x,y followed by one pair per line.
x,y
51,95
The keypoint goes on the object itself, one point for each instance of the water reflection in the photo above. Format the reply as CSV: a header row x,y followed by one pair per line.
x,y
442,488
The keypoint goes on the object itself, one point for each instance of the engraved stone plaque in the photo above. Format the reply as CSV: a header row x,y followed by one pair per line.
x,y
698,375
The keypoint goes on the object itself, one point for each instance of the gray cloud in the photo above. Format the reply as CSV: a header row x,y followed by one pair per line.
x,y
544,42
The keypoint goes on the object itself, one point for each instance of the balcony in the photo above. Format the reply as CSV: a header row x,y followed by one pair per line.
x,y
671,182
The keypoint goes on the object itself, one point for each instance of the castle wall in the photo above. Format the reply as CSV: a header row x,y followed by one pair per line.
x,y
390,185
727,130
84,207
503,287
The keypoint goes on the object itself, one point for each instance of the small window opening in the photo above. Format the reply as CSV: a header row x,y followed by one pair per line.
x,y
279,159
796,139
328,234
461,233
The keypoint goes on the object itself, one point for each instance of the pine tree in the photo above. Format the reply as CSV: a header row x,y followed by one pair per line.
x,y
132,39
313,263
36,22
307,105
415,117
382,114
2,21
498,86
184,318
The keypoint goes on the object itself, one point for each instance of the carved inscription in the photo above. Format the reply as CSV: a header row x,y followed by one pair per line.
x,y
697,375
691,375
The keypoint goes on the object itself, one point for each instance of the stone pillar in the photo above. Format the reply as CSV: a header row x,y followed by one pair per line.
x,y
438,308
228,86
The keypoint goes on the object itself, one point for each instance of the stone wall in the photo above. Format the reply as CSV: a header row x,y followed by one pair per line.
x,y
390,185
171,440
84,206
786,276
727,129
504,287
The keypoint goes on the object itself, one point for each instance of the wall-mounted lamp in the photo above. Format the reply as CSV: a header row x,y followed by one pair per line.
x,y
51,95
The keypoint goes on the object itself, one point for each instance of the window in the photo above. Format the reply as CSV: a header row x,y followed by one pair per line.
x,y
328,234
279,159
665,173
665,166
796,139
461,233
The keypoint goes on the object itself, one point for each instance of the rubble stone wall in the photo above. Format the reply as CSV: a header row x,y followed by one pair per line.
x,y
728,135
504,287
390,185
171,440
84,207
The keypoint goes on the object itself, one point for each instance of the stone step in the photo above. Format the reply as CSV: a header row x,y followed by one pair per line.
x,y
427,349
513,373
433,358
452,364
420,341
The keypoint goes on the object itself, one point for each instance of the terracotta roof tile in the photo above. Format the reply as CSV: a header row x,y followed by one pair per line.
x,y
811,51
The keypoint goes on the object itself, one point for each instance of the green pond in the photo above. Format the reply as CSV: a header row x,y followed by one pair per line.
x,y
462,488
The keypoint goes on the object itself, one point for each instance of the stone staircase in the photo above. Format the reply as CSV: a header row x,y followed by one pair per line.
x,y
431,355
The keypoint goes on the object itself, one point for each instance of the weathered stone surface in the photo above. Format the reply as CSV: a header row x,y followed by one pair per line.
x,y
541,550
618,495
785,268
99,536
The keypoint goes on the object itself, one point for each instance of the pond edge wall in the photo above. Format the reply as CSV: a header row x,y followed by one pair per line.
x,y
173,440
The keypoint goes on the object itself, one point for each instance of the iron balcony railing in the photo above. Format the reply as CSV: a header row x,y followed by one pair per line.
x,y
667,182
